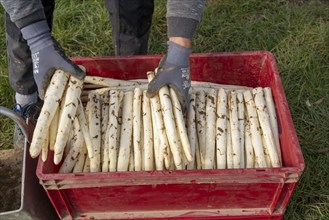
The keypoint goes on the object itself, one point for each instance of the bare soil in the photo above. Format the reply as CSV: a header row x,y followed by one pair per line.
x,y
10,179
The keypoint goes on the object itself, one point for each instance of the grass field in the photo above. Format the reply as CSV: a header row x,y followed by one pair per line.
x,y
295,31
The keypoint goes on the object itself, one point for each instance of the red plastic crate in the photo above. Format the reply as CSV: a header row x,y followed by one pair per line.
x,y
196,194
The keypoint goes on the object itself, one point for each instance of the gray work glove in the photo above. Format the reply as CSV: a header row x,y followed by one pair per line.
x,y
174,71
47,55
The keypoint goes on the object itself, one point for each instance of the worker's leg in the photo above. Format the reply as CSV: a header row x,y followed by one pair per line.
x,y
19,56
19,61
131,22
21,74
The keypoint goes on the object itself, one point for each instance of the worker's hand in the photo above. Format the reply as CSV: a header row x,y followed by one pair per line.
x,y
177,77
47,55
174,71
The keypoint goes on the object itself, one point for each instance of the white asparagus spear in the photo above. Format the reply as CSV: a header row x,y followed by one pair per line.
x,y
73,155
69,141
165,126
234,125
201,123
256,138
86,111
211,102
191,130
208,85
53,130
84,129
131,166
126,132
204,89
109,81
113,129
180,122
96,80
184,159
148,134
265,149
104,144
229,150
95,130
105,83
53,94
198,84
241,122
137,104
67,116
156,141
159,130
264,120
197,155
89,86
44,152
103,90
61,108
86,167
273,118
170,126
100,91
121,95
221,129
78,167
249,151
167,155
160,135
142,139
172,163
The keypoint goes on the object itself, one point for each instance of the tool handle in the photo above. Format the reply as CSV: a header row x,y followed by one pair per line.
x,y
27,126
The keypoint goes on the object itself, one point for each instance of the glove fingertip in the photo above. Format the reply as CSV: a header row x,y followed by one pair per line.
x,y
80,75
153,87
76,71
150,94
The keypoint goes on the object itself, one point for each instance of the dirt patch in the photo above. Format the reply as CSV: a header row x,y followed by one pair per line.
x,y
10,179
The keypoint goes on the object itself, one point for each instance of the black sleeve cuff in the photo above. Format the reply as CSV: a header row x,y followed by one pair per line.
x,y
181,27
39,15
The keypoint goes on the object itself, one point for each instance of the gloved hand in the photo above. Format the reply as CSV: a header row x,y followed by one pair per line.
x,y
174,71
47,55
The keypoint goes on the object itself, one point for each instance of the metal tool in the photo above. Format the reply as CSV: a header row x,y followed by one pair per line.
x,y
27,126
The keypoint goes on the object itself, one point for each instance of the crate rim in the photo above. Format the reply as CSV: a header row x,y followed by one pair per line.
x,y
193,55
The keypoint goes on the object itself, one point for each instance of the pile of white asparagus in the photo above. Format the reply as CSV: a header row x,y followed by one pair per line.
x,y
111,125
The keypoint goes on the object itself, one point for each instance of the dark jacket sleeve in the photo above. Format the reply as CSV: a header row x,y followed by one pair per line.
x,y
183,17
24,12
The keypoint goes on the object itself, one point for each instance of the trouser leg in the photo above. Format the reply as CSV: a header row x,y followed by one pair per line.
x,y
19,55
131,22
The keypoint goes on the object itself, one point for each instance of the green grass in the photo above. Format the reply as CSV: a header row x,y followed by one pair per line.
x,y
6,93
295,31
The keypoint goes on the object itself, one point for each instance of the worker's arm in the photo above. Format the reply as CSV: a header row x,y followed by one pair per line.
x,y
183,17
46,53
23,12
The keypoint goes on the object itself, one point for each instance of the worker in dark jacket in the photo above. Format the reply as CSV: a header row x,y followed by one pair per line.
x,y
33,54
